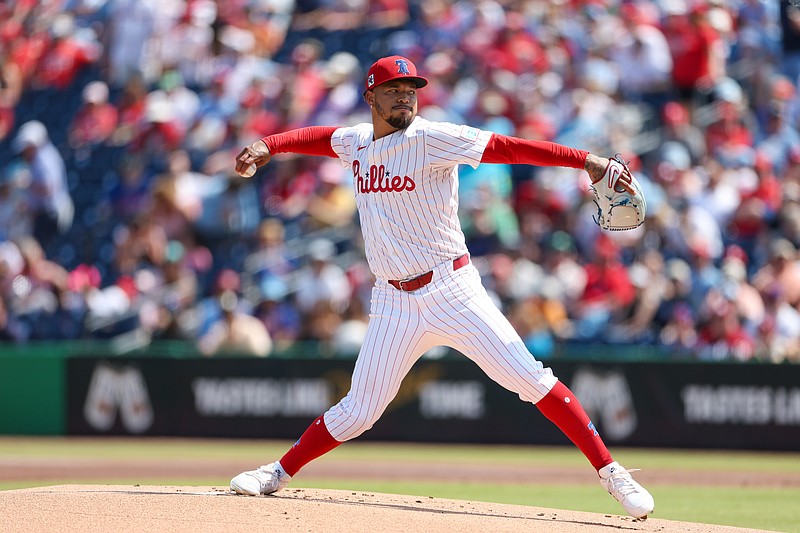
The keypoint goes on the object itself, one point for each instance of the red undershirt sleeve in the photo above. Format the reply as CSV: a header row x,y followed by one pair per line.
x,y
516,151
314,140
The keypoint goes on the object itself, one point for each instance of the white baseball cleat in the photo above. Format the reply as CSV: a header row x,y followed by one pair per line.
x,y
633,497
264,480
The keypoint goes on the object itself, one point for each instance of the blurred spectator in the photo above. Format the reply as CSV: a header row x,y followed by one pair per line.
x,y
132,24
738,290
488,222
608,292
307,81
530,319
175,292
790,40
321,281
71,50
721,335
697,53
779,139
50,199
678,292
175,204
16,217
190,42
132,111
129,196
271,258
137,245
159,133
35,292
782,269
706,272
11,86
350,333
779,332
566,277
182,101
693,228
320,324
270,22
730,136
717,189
679,128
96,120
197,320
643,44
759,207
342,76
287,193
278,313
236,333
652,288
333,203
679,333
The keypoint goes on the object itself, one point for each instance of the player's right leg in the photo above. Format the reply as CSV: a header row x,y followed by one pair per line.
x,y
394,341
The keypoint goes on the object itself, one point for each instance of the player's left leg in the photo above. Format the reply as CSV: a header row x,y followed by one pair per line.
x,y
478,329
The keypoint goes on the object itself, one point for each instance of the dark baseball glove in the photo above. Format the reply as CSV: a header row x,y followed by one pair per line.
x,y
620,202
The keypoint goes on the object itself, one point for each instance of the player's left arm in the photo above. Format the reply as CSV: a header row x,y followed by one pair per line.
x,y
516,151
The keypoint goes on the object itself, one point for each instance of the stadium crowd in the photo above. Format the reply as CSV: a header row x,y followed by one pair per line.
x,y
121,217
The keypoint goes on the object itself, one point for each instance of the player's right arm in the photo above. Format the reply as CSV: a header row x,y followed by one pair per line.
x,y
314,140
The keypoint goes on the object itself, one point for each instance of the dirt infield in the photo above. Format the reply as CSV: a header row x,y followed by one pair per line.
x,y
136,502
95,509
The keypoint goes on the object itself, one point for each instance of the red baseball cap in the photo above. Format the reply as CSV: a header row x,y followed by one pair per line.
x,y
393,68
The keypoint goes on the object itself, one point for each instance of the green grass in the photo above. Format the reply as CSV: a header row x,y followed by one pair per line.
x,y
774,509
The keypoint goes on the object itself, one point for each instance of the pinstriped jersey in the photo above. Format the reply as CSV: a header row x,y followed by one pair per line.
x,y
406,187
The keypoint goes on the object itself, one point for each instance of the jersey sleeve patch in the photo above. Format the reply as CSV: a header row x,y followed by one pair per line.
x,y
469,133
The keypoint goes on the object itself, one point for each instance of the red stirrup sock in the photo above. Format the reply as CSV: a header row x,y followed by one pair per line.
x,y
562,408
314,442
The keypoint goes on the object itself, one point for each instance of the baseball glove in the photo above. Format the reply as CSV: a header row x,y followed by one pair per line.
x,y
620,202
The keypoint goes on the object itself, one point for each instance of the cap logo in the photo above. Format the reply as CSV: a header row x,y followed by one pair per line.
x,y
402,66
371,80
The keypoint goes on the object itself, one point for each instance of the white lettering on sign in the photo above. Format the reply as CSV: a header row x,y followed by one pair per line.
x,y
260,397
452,399
741,404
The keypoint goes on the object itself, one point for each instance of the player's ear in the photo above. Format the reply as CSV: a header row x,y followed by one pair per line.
x,y
369,97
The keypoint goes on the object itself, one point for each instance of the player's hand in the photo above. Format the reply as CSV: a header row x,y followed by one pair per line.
x,y
596,167
257,154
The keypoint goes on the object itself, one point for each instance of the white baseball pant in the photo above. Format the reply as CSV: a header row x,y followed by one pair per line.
x,y
452,310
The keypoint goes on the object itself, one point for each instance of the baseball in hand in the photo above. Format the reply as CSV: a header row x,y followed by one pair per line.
x,y
249,172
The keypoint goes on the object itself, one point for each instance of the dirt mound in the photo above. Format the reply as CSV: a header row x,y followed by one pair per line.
x,y
103,508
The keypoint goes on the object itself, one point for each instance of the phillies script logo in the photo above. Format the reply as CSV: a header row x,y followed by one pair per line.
x,y
380,180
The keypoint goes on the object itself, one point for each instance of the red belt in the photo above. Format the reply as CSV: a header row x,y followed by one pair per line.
x,y
422,280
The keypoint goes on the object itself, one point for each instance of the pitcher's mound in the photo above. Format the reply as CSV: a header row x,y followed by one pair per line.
x,y
103,508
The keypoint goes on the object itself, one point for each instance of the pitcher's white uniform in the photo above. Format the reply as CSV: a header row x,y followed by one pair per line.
x,y
406,187
405,175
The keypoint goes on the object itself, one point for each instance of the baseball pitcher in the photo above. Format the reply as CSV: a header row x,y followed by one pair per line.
x,y
427,293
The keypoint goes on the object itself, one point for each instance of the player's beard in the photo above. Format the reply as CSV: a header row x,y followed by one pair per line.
x,y
399,122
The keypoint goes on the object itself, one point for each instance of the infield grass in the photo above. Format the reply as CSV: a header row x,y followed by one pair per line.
x,y
771,508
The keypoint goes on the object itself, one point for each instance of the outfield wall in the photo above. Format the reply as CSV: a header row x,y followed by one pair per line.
x,y
673,404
